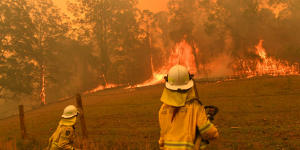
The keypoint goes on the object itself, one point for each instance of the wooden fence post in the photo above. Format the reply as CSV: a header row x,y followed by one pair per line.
x,y
22,123
81,116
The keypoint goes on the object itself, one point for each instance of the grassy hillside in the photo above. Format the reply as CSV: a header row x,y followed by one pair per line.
x,y
260,113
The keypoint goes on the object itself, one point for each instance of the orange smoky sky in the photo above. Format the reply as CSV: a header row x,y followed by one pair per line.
x,y
152,5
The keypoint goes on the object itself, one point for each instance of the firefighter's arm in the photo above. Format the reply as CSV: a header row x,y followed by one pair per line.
x,y
207,130
161,144
50,143
67,139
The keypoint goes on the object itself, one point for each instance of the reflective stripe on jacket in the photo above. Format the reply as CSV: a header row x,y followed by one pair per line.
x,y
62,138
181,132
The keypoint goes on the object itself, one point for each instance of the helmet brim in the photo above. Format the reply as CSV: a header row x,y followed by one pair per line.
x,y
70,116
66,116
187,86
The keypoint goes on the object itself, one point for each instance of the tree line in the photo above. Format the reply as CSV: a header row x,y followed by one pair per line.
x,y
113,41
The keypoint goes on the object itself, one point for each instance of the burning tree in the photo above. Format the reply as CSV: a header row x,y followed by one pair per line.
x,y
50,27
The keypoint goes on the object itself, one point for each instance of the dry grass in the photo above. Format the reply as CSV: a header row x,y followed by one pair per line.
x,y
260,113
80,144
8,145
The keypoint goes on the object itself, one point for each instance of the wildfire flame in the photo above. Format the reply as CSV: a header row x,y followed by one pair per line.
x,y
272,66
182,54
102,87
268,65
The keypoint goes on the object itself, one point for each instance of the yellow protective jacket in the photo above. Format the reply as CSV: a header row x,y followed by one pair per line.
x,y
180,133
63,137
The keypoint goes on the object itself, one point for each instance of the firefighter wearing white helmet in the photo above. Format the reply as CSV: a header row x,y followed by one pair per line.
x,y
63,137
179,78
182,114
69,112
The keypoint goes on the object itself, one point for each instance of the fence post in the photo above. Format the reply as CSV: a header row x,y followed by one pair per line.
x,y
81,116
22,123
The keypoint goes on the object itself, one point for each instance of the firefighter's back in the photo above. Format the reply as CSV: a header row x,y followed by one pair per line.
x,y
180,132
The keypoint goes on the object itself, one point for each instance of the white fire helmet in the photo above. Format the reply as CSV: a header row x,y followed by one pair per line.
x,y
179,78
70,111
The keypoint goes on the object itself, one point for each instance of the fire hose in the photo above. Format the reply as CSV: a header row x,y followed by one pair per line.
x,y
211,111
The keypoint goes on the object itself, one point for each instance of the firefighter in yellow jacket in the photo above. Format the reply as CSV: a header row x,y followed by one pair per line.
x,y
182,114
63,137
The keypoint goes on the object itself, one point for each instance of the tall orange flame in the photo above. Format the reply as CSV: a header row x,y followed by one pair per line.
x,y
182,54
